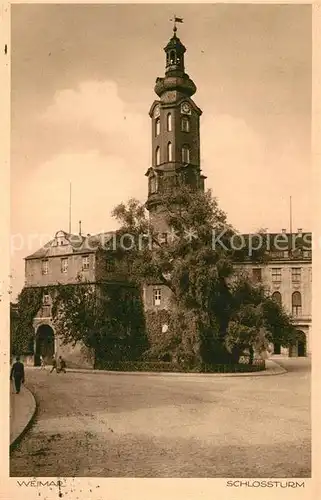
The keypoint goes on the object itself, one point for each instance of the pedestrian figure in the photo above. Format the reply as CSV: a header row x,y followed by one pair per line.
x,y
62,365
42,363
54,365
17,374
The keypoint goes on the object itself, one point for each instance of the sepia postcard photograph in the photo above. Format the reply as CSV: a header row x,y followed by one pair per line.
x,y
160,244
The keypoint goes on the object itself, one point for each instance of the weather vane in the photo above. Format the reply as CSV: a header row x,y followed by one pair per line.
x,y
176,20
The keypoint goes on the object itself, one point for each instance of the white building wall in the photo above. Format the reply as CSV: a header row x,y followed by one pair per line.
x,y
286,287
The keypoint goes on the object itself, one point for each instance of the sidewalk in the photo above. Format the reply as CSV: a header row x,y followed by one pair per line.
x,y
272,368
22,412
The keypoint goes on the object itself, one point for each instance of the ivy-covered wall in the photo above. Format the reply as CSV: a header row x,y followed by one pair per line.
x,y
21,320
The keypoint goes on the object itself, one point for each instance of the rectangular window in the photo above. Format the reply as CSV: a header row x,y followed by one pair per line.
x,y
307,254
45,266
110,265
185,154
296,310
185,124
162,238
46,311
157,296
296,274
46,299
257,275
64,265
276,274
85,263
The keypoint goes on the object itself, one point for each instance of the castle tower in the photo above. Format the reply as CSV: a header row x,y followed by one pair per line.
x,y
175,120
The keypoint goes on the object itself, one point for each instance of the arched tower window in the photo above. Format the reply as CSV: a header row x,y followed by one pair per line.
x,y
185,154
169,122
277,297
169,152
185,124
296,304
157,155
157,126
172,57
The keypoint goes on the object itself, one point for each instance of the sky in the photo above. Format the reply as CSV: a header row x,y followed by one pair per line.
x,y
82,79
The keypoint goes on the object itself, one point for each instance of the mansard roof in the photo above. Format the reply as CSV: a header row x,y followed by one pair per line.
x,y
71,244
284,241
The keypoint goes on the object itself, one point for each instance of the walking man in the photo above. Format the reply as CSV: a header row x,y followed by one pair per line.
x,y
42,363
17,374
62,365
54,365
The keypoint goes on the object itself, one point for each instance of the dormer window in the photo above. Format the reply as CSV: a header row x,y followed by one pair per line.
x,y
85,262
61,238
185,154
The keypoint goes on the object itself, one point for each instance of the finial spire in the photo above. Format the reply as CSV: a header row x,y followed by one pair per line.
x,y
176,20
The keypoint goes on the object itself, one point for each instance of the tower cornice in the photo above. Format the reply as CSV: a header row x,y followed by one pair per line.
x,y
173,104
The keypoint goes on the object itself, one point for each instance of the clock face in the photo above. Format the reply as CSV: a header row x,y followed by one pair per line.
x,y
156,111
186,108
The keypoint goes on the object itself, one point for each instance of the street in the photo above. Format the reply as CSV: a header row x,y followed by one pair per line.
x,y
118,425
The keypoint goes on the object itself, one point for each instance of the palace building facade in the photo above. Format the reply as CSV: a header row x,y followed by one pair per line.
x,y
175,125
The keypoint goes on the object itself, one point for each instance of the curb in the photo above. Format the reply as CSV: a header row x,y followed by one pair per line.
x,y
276,370
28,425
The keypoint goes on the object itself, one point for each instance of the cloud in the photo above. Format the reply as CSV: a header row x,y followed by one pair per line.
x,y
99,183
97,105
251,177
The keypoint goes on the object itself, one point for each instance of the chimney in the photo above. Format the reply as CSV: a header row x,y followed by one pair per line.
x,y
80,228
283,231
300,231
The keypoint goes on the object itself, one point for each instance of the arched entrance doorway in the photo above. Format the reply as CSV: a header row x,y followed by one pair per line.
x,y
45,344
301,344
277,348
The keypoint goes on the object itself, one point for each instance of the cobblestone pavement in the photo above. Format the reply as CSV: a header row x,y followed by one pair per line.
x,y
118,425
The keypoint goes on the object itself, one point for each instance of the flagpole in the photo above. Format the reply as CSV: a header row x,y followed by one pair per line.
x,y
290,214
70,208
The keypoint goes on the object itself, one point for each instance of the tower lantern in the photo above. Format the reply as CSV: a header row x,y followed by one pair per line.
x,y
174,55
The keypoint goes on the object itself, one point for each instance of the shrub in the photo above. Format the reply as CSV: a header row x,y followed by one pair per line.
x,y
162,366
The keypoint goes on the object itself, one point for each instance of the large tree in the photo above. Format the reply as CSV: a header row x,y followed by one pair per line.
x,y
210,303
107,319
